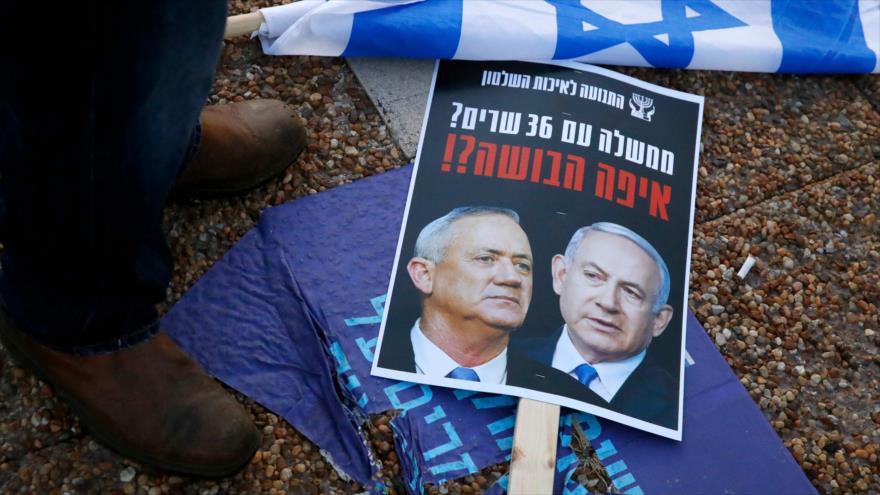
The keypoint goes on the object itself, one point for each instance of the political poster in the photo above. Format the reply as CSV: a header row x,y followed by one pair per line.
x,y
545,245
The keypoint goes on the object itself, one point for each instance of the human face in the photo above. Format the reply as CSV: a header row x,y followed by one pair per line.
x,y
606,297
485,280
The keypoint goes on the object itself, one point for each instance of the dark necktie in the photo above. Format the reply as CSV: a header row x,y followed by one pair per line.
x,y
464,374
585,373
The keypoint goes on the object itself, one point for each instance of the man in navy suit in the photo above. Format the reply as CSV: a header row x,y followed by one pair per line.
x,y
613,288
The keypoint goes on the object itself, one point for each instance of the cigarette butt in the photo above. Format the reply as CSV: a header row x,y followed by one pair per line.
x,y
747,265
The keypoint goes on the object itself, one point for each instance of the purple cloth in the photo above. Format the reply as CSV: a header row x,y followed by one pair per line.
x,y
290,317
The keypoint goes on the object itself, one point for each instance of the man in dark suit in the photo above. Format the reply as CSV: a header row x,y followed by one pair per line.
x,y
613,288
473,270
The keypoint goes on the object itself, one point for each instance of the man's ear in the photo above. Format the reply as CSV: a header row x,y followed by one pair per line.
x,y
662,319
558,269
421,271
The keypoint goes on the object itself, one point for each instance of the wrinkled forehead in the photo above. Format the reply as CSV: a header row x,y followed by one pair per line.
x,y
616,254
490,231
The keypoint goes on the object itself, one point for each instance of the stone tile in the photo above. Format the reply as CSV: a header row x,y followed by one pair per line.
x,y
801,331
764,134
399,89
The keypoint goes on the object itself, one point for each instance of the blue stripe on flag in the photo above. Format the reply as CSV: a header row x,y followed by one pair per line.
x,y
378,33
821,36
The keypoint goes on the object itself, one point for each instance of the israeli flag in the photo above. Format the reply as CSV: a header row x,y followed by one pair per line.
x,y
800,36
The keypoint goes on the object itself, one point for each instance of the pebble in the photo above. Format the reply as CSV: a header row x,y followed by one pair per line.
x,y
127,474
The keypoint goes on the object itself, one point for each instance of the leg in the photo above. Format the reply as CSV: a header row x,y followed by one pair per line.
x,y
87,166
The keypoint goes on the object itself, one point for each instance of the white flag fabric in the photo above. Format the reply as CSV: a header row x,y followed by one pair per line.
x,y
792,36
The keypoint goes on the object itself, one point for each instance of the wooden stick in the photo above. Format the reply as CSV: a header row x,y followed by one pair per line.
x,y
238,25
533,461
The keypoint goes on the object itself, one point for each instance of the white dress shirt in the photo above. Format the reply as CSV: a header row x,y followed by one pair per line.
x,y
611,375
431,360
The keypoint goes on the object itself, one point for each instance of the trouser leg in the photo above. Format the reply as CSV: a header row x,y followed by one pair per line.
x,y
93,132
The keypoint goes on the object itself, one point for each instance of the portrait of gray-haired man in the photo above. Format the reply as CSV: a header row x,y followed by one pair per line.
x,y
472,269
613,288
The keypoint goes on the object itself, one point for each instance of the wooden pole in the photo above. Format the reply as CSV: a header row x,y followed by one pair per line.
x,y
533,461
238,25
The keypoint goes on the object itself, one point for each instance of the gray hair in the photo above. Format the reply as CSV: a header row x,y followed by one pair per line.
x,y
434,238
620,230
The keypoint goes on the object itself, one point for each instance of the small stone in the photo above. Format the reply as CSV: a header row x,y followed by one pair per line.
x,y
717,309
799,370
300,468
787,263
869,332
127,474
351,151
286,474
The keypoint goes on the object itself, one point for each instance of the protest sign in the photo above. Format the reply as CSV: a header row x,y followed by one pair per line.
x,y
548,226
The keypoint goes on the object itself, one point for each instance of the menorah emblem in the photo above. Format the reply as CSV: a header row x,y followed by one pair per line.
x,y
642,107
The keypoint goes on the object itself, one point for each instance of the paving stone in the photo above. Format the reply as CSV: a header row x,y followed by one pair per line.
x,y
799,338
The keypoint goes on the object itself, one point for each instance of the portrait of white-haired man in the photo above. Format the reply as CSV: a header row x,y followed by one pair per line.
x,y
472,269
613,288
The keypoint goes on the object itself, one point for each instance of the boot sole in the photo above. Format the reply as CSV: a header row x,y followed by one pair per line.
x,y
11,341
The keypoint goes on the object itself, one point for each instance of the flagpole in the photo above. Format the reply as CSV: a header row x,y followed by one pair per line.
x,y
238,25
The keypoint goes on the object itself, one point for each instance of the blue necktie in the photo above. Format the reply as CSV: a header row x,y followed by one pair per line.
x,y
464,374
585,373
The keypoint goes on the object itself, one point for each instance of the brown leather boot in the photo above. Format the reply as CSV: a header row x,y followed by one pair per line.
x,y
242,145
149,402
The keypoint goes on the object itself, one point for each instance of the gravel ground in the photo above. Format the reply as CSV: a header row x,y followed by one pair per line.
x,y
788,174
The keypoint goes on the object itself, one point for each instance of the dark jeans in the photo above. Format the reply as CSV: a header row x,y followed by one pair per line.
x,y
93,132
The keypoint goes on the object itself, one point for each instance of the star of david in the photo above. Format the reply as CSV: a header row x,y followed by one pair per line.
x,y
665,43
